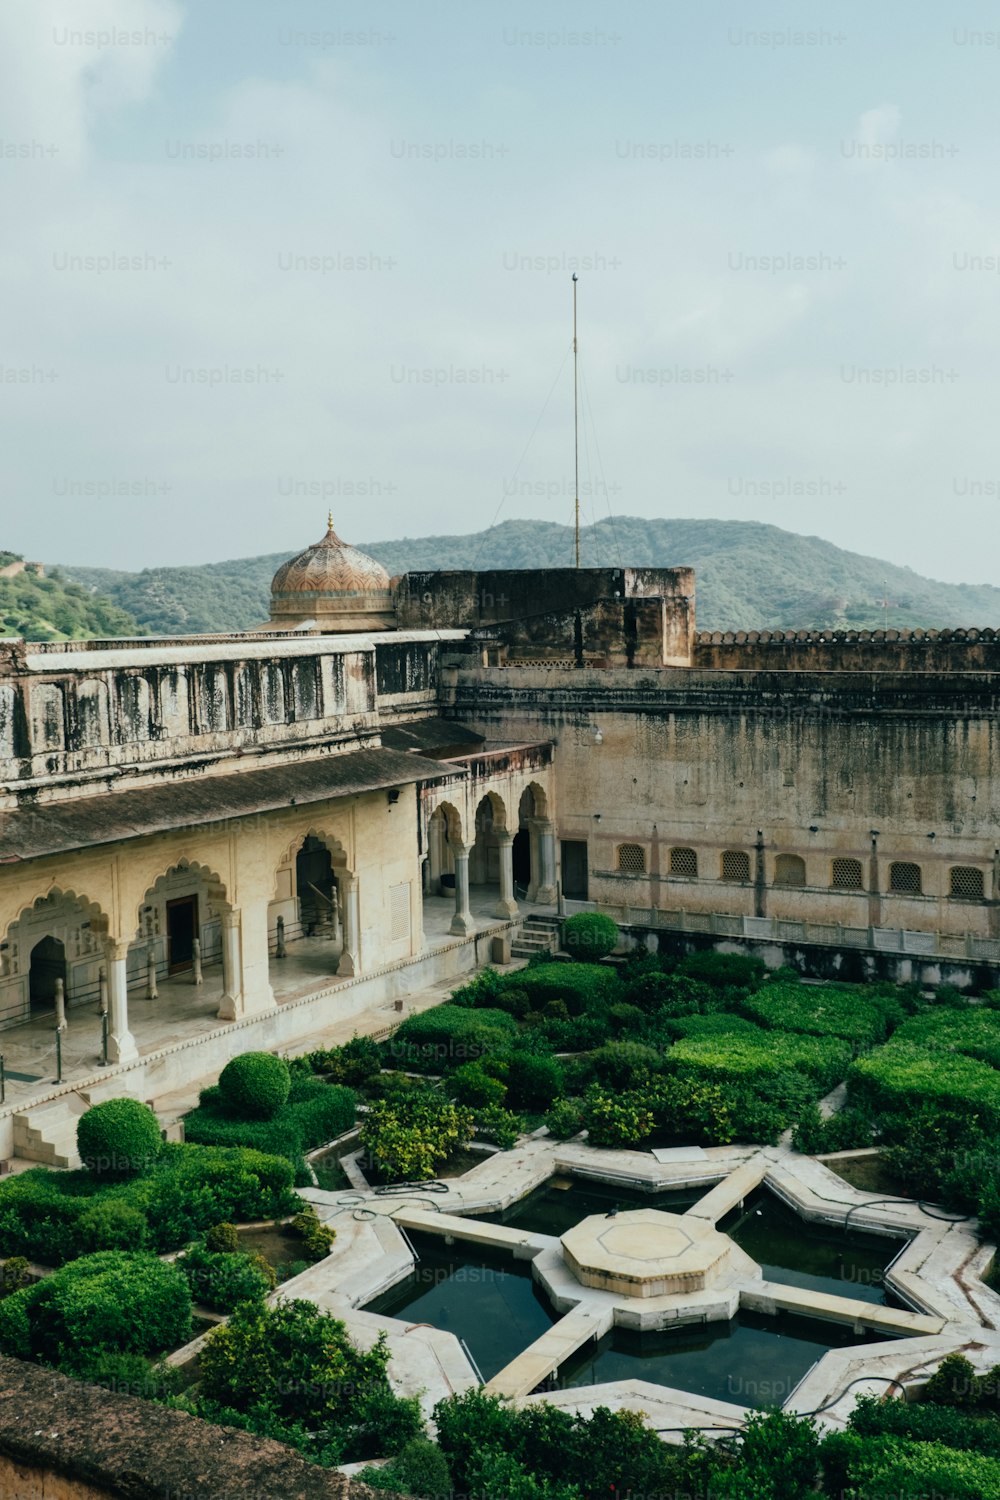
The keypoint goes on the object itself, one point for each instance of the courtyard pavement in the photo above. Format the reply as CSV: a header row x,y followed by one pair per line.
x,y
184,1010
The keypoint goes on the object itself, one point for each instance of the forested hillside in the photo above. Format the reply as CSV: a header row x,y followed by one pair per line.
x,y
54,609
750,576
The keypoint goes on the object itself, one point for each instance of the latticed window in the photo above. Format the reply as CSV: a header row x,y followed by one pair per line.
x,y
631,859
847,875
683,862
967,883
789,869
905,877
735,864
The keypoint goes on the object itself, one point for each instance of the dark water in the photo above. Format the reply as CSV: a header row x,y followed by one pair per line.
x,y
797,1253
489,1301
751,1361
563,1201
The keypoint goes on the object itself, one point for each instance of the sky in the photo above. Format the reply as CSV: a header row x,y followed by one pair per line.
x,y
265,258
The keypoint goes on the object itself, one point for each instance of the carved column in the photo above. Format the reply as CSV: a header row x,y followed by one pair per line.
x,y
350,962
121,1042
546,892
874,892
759,878
231,1004
506,906
461,923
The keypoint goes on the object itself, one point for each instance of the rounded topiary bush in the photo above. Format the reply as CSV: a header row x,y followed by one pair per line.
x,y
119,1138
590,935
254,1085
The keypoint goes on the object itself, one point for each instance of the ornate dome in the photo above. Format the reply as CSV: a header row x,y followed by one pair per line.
x,y
332,587
330,567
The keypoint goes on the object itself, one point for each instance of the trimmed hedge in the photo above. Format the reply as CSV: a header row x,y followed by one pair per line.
x,y
904,1078
254,1085
110,1302
764,1059
890,1468
581,987
741,969
222,1280
118,1139
439,1040
48,1216
409,1137
823,1010
974,1033
590,935
316,1112
875,1416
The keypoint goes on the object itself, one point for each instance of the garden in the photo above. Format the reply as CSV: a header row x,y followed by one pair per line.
x,y
113,1267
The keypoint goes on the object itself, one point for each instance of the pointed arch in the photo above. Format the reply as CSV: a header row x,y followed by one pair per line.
x,y
336,846
449,814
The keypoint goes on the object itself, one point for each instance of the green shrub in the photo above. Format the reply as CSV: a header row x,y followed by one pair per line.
x,y
483,990
131,1375
118,1139
954,1383
923,1421
625,1018
656,992
500,1126
112,1301
222,1280
902,1078
590,936
890,1468
848,1130
821,1010
715,1024
625,1065
419,1469
532,1081
581,987
565,1119
110,1224
724,969
764,1060
441,1039
354,1064
187,1189
16,1274
973,1033
254,1086
292,1373
408,1138
618,1121
315,1236
315,1113
473,1087
223,1239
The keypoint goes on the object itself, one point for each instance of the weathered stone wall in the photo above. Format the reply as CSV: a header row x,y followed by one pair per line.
x,y
894,769
62,1440
69,718
848,650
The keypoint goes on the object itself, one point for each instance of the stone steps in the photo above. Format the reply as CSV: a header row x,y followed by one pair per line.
x,y
537,935
48,1134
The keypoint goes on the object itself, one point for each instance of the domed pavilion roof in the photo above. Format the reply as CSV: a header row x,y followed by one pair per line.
x,y
332,586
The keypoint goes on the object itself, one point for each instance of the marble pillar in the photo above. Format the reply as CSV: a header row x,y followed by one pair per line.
x,y
231,1004
121,1042
461,923
506,905
350,962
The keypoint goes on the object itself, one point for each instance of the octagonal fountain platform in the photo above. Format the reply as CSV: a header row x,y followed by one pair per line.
x,y
648,1253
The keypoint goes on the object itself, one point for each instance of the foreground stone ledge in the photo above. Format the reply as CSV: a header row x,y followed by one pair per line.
x,y
62,1440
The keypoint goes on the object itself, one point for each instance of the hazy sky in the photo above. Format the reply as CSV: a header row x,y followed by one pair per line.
x,y
261,257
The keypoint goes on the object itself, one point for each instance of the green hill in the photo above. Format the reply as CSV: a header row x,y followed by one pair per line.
x,y
750,576
51,608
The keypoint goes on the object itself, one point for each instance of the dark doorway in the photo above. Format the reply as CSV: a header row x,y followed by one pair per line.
x,y
314,883
521,857
48,963
182,929
574,870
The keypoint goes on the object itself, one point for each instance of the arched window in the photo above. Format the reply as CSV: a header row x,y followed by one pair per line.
x,y
847,875
631,859
789,869
684,862
905,878
967,883
735,864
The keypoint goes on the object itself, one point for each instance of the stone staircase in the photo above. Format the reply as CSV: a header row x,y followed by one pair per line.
x,y
48,1134
537,935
